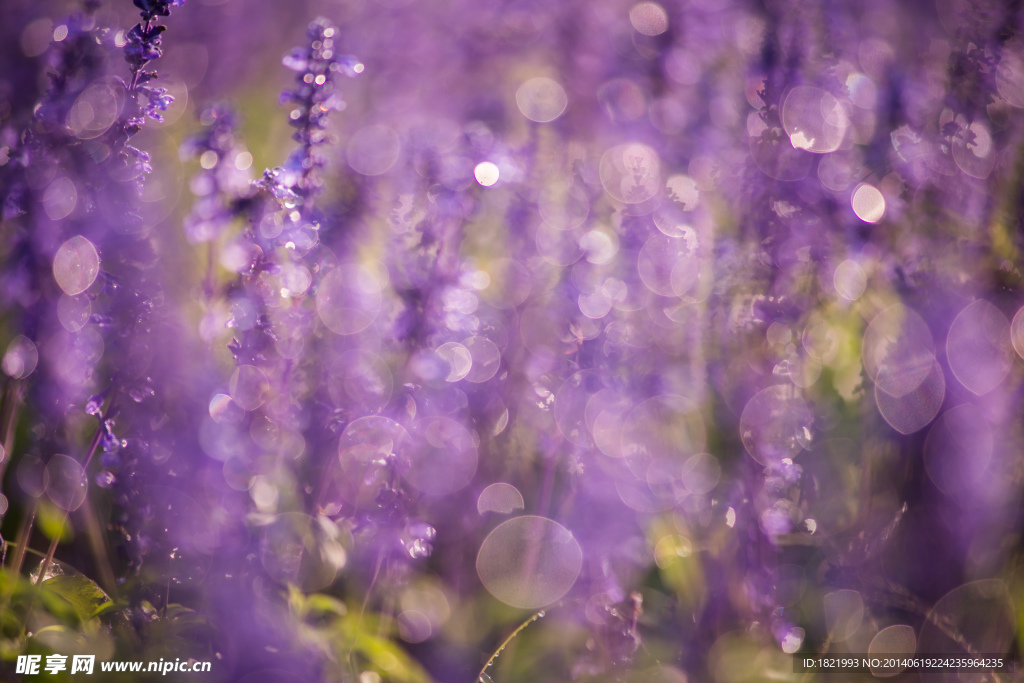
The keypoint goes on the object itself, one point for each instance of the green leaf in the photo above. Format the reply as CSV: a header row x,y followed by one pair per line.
x,y
390,660
318,604
105,608
332,624
85,596
20,597
185,619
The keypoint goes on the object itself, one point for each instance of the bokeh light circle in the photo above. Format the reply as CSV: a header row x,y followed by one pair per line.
x,y
898,639
701,473
844,612
60,198
501,498
976,617
76,265
486,173
850,280
486,359
541,99
373,150
868,203
529,562
912,410
1017,332
458,358
349,297
372,438
776,424
249,387
1010,77
814,120
443,456
977,349
74,311
631,173
669,266
958,451
649,18
898,350
21,358
66,482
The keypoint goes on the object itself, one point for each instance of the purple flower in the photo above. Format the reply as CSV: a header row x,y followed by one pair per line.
x,y
693,326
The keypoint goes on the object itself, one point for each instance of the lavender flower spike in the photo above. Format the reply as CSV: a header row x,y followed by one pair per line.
x,y
313,99
652,340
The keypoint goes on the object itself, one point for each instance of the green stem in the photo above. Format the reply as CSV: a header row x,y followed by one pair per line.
x,y
97,545
483,675
12,403
56,539
51,551
21,540
362,610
